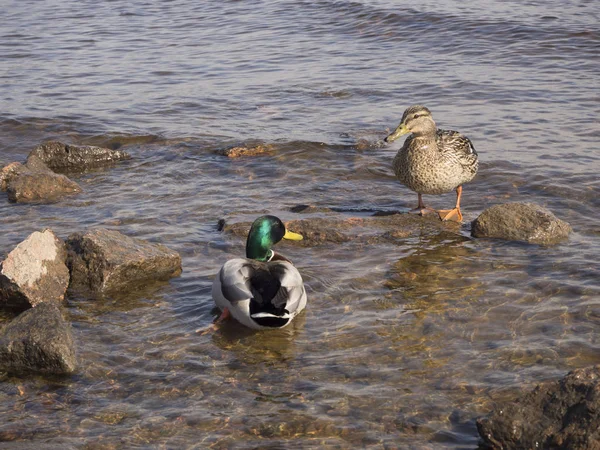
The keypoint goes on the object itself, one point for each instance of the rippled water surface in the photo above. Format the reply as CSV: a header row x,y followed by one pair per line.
x,y
403,343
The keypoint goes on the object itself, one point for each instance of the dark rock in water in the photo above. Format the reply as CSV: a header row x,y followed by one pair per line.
x,y
236,152
526,222
35,182
106,261
35,164
34,272
75,158
562,414
38,340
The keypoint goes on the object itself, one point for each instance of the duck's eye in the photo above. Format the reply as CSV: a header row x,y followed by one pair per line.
x,y
416,116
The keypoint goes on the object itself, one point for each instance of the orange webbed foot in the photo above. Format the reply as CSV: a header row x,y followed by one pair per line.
x,y
450,214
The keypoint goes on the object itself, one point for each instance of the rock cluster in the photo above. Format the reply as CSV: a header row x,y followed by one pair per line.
x,y
35,276
37,181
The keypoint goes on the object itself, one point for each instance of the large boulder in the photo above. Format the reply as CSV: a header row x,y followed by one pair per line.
x,y
563,414
34,272
38,340
525,222
75,158
35,182
106,261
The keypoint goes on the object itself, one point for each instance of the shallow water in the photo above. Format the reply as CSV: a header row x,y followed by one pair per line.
x,y
402,345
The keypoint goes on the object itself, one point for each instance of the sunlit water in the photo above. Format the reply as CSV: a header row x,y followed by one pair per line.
x,y
402,345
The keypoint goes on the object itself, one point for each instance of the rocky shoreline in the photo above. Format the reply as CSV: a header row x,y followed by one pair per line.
x,y
37,275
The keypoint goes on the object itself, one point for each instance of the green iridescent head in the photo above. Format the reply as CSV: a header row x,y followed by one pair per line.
x,y
266,231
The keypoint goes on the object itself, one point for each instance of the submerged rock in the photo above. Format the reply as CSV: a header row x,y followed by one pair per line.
x,y
34,272
525,222
236,152
106,261
75,158
35,182
562,414
38,340
340,228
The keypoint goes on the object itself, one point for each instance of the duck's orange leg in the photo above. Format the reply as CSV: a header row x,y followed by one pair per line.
x,y
421,209
225,314
454,213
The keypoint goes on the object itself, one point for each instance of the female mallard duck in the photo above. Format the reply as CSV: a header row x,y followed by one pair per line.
x,y
263,290
433,161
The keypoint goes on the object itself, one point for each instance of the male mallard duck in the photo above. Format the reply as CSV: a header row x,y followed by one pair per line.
x,y
433,161
263,290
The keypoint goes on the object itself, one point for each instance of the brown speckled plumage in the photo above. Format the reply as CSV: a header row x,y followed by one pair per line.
x,y
432,161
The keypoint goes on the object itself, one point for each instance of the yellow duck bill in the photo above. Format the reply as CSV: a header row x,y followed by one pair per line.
x,y
401,130
292,236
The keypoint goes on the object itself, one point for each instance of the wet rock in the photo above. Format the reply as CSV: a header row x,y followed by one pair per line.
x,y
236,152
34,272
526,222
35,182
75,158
563,414
106,261
9,172
38,340
40,187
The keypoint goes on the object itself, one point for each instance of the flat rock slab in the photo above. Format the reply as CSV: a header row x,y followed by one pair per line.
x,y
105,261
34,272
526,222
35,182
38,340
337,228
76,158
563,414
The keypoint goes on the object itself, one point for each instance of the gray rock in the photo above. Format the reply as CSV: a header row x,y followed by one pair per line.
x,y
525,222
562,414
38,340
75,158
34,272
106,261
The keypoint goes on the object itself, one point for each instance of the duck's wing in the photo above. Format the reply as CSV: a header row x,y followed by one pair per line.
x,y
457,146
234,279
291,295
